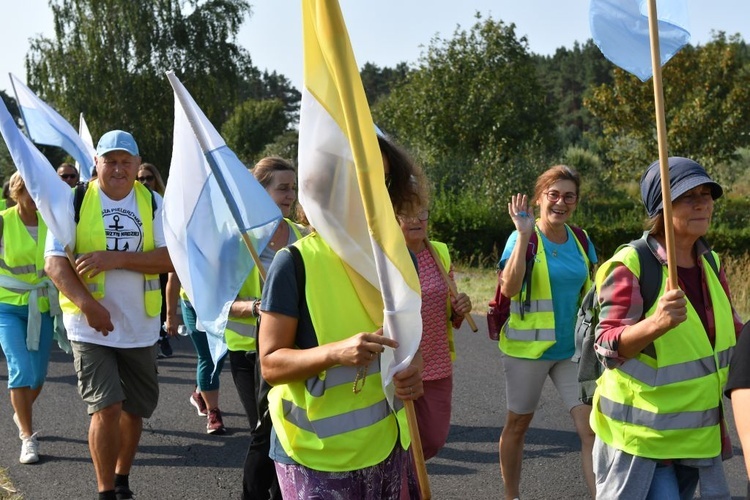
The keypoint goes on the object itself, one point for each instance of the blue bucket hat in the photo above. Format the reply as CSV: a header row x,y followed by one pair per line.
x,y
684,175
116,140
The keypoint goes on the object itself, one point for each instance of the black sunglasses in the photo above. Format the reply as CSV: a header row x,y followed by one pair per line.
x,y
69,176
146,178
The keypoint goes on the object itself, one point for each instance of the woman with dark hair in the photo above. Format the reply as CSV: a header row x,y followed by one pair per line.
x,y
657,410
316,336
538,342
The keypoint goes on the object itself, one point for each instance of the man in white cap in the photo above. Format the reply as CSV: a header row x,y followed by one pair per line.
x,y
111,313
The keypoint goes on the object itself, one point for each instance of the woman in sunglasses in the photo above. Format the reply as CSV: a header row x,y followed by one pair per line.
x,y
535,343
149,176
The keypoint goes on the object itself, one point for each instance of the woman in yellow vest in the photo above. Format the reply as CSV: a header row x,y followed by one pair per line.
x,y
441,313
279,179
314,339
657,411
26,327
537,341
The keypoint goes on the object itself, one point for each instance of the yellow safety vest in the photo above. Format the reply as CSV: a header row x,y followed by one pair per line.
x,y
531,335
320,423
445,259
668,406
23,258
240,333
90,237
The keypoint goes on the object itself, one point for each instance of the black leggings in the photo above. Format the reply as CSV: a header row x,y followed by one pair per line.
x,y
259,480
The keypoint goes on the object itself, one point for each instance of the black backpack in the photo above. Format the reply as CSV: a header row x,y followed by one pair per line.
x,y
589,366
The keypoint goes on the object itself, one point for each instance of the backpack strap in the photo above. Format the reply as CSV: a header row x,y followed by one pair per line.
x,y
582,237
651,272
80,192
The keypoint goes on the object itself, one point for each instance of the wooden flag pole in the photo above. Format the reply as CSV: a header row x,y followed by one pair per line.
x,y
448,281
416,449
661,133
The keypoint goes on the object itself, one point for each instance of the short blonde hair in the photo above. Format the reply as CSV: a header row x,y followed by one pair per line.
x,y
16,186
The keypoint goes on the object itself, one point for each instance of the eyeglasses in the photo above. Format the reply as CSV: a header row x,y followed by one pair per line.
x,y
146,178
568,198
68,176
421,216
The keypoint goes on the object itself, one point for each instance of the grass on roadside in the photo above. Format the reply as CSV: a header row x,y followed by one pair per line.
x,y
7,491
476,282
479,283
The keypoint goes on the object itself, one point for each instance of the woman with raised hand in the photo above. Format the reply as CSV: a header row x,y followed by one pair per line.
x,y
657,410
537,341
26,328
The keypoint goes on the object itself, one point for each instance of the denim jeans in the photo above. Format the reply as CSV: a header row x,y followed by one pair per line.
x,y
673,482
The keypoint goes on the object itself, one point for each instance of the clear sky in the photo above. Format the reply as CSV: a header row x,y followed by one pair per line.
x,y
384,32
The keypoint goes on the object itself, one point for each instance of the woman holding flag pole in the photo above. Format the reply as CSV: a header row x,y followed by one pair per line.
x,y
657,411
311,328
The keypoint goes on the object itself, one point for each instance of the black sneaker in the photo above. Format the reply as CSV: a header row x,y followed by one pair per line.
x,y
165,350
123,493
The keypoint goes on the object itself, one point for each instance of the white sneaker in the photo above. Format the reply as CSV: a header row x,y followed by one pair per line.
x,y
18,424
29,450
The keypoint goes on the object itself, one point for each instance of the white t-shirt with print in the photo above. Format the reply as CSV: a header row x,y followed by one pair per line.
x,y
123,289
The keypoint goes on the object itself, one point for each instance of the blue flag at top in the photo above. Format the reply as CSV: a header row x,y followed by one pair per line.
x,y
620,30
45,126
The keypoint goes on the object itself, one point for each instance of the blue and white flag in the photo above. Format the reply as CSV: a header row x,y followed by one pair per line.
x,y
620,30
50,193
45,126
85,135
210,201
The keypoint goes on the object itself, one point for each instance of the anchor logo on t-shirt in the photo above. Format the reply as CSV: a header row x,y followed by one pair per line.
x,y
123,230
116,227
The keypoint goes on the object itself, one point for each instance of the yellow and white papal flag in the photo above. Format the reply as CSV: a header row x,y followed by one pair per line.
x,y
342,185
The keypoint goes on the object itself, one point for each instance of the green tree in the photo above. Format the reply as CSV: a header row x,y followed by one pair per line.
x,y
568,76
475,91
707,102
252,126
108,59
379,82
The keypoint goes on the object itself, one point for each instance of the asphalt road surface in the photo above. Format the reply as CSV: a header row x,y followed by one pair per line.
x,y
178,460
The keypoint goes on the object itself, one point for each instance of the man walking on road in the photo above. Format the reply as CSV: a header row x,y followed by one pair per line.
x,y
113,320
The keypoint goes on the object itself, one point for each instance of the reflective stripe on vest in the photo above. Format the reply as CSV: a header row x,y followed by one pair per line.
x,y
22,259
338,375
667,404
534,306
17,269
244,329
659,421
338,424
542,335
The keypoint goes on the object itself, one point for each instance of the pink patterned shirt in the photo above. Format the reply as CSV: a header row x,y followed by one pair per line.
x,y
435,320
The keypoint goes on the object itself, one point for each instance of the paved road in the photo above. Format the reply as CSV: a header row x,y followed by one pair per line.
x,y
178,460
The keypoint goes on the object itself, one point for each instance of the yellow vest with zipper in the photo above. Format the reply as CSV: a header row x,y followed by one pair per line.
x,y
319,422
23,258
241,333
90,237
528,336
668,406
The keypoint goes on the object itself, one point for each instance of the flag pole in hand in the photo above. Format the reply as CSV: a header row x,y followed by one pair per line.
x,y
448,281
